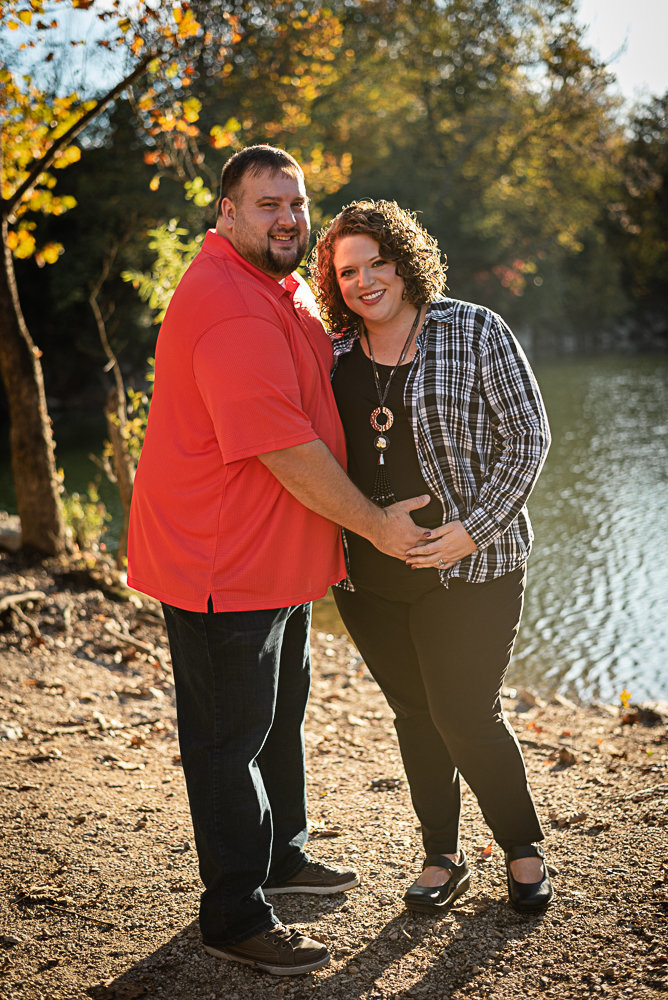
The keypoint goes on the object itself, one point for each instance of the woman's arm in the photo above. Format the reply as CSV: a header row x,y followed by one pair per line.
x,y
522,437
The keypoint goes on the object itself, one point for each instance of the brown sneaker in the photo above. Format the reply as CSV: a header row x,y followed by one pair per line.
x,y
281,951
314,877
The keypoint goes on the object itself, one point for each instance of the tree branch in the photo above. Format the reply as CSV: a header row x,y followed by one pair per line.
x,y
9,204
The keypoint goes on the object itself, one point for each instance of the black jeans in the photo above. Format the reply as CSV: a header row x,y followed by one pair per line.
x,y
242,681
440,658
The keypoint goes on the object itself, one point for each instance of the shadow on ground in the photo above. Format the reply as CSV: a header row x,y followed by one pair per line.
x,y
460,945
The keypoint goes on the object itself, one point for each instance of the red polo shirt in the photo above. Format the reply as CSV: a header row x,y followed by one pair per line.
x,y
242,368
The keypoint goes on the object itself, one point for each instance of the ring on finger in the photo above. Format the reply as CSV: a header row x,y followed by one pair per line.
x,y
441,564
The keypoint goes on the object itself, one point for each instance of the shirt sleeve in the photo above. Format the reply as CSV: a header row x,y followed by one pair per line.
x,y
245,372
521,433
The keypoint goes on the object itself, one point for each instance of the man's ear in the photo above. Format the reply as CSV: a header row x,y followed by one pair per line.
x,y
227,213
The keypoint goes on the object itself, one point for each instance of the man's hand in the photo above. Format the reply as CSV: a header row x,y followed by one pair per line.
x,y
311,473
397,531
446,546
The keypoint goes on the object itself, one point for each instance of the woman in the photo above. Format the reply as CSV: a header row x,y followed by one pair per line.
x,y
436,396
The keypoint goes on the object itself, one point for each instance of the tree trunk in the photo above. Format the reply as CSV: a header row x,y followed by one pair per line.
x,y
123,465
116,409
30,437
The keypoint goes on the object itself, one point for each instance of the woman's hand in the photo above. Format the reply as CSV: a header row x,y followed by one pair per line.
x,y
446,546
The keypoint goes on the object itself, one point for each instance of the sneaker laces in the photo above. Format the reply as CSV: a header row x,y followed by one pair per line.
x,y
283,936
318,866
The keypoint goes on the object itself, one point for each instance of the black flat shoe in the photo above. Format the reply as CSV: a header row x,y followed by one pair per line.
x,y
435,899
528,897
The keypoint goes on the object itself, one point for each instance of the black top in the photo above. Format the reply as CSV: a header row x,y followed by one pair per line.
x,y
356,397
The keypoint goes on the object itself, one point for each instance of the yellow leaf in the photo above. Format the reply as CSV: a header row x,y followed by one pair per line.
x,y
220,138
192,105
25,16
155,183
50,252
26,245
70,155
625,698
187,24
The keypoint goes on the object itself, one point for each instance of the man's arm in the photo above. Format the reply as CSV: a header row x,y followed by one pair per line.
x,y
311,473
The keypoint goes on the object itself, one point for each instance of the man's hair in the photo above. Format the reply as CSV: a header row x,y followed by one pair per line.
x,y
253,160
400,238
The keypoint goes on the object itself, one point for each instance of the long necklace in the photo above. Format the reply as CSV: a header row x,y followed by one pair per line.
x,y
382,419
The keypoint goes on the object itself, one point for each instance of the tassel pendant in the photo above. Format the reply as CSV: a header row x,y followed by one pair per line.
x,y
382,491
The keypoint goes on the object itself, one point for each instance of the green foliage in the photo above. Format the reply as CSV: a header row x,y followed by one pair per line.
x,y
174,249
640,217
198,192
134,428
493,120
86,517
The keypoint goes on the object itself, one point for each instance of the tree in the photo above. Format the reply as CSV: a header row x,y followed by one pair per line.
x,y
39,133
495,122
162,43
30,146
639,218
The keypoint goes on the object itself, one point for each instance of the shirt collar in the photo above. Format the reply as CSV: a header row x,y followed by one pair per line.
x,y
220,246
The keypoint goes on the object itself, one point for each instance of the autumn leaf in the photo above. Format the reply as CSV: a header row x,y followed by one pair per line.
x,y
49,253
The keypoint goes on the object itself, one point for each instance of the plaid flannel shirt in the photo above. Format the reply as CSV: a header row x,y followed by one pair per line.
x,y
480,428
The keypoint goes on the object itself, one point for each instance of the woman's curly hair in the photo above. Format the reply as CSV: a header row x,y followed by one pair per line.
x,y
400,238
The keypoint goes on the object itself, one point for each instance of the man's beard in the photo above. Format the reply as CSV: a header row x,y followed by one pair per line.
x,y
279,265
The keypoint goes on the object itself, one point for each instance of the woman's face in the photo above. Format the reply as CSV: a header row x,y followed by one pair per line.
x,y
369,283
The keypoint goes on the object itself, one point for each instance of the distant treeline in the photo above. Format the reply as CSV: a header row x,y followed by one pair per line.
x,y
491,119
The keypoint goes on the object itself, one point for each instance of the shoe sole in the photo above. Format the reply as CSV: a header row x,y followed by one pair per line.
x,y
314,890
528,907
273,970
416,907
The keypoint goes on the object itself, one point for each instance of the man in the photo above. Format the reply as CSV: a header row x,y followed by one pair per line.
x,y
237,498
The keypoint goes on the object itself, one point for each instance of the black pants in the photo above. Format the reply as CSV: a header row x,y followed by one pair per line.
x,y
440,658
242,681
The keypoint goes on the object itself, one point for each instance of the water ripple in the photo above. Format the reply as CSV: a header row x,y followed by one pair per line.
x,y
596,617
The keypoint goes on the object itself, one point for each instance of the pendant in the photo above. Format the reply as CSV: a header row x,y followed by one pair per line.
x,y
387,421
381,443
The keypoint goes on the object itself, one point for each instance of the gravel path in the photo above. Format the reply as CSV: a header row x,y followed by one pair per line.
x,y
99,875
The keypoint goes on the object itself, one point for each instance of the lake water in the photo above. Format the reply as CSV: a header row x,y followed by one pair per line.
x,y
596,612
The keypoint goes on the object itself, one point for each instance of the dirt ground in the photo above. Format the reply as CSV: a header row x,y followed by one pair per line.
x,y
99,882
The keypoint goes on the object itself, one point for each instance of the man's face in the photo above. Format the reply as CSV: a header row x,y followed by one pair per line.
x,y
267,222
